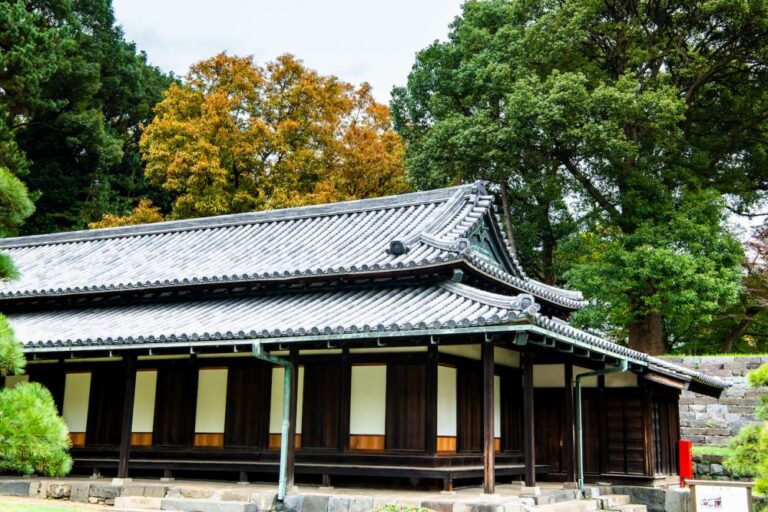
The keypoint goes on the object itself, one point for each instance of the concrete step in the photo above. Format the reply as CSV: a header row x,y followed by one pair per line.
x,y
187,505
566,506
630,507
608,501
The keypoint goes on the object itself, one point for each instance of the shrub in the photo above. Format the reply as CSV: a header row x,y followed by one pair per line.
x,y
33,438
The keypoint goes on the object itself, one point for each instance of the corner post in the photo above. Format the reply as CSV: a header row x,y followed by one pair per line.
x,y
128,399
291,441
568,433
529,424
489,475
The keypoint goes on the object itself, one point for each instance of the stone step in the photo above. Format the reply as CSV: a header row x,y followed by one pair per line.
x,y
566,506
187,505
613,500
138,503
630,507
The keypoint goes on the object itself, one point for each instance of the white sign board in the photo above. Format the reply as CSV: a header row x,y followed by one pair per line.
x,y
714,496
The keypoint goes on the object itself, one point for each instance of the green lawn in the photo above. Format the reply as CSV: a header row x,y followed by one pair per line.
x,y
15,506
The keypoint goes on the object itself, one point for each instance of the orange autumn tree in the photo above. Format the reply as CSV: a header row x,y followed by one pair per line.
x,y
237,137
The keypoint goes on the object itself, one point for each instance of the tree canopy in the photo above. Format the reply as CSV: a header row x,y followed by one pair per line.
x,y
75,95
237,137
617,135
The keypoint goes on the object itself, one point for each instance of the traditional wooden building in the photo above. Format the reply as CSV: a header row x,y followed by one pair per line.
x,y
416,343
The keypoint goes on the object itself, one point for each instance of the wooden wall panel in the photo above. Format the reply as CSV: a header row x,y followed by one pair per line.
x,y
367,442
78,439
469,399
549,416
406,406
209,440
175,400
274,441
141,439
446,444
624,430
591,423
52,377
247,416
511,411
320,420
105,407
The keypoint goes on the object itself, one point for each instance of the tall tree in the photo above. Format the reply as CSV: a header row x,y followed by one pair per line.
x,y
76,96
642,114
238,137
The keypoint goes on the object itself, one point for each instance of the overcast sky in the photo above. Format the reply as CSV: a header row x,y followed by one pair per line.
x,y
356,40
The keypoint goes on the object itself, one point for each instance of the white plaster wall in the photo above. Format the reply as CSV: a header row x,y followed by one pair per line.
x,y
621,380
466,351
548,376
385,350
11,381
368,403
276,402
211,400
77,389
506,357
589,382
446,401
144,401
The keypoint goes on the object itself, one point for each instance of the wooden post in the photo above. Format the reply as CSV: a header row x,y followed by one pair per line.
x,y
345,396
529,447
128,398
489,476
568,431
290,471
430,423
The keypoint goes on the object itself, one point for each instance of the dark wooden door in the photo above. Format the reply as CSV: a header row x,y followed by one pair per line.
x,y
176,397
406,406
511,411
320,414
469,402
625,432
549,417
51,376
105,405
591,426
248,394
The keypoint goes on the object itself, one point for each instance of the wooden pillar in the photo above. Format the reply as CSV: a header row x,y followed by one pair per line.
x,y
430,422
568,430
529,447
291,466
345,397
489,475
128,399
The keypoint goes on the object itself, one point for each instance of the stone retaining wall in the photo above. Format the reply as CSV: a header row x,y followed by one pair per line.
x,y
707,421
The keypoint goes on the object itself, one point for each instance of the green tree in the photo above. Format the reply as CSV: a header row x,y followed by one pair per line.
x,y
643,115
33,438
76,97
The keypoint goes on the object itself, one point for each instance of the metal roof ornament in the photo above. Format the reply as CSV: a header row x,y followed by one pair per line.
x,y
398,248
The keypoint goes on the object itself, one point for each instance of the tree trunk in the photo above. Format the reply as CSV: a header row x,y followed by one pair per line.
x,y
646,335
507,216
738,330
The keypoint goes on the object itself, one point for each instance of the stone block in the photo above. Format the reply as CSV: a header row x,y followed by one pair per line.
x,y
36,490
14,488
291,503
653,498
80,492
59,491
206,505
155,491
104,491
315,503
438,505
338,504
196,493
236,495
264,500
138,503
360,504
133,490
677,500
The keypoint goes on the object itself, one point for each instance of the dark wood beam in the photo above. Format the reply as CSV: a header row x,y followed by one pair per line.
x,y
489,473
529,447
128,399
430,424
291,466
345,396
568,431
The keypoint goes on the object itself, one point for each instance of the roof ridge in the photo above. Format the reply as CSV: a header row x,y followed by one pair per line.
x,y
239,219
519,302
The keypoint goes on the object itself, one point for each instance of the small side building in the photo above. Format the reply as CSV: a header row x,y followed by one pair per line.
x,y
416,345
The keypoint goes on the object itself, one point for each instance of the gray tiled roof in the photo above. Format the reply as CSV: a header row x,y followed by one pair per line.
x,y
342,238
294,315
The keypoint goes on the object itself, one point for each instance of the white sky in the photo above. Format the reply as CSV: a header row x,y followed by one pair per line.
x,y
356,40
